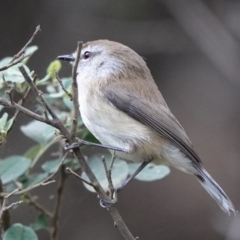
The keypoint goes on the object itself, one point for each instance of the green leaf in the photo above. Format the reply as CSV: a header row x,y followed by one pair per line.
x,y
55,65
32,179
151,172
119,171
4,127
19,232
43,80
68,103
42,222
3,120
38,131
33,151
9,124
5,61
13,167
51,166
13,74
67,82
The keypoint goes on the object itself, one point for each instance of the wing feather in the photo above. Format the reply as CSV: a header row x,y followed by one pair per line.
x,y
157,117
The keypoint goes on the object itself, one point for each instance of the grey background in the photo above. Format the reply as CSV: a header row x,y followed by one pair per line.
x,y
192,49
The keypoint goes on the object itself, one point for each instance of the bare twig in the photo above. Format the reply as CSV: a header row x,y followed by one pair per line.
x,y
108,172
61,84
11,205
9,93
75,92
4,215
30,200
69,170
27,112
55,219
38,29
12,63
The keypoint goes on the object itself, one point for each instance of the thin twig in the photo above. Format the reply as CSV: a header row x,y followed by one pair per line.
x,y
75,92
27,112
12,63
61,84
108,173
31,201
38,29
11,205
69,170
9,93
55,219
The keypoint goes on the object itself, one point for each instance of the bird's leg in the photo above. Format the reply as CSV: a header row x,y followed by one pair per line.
x,y
82,142
139,169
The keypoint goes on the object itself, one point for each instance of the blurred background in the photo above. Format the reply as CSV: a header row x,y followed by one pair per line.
x,y
192,49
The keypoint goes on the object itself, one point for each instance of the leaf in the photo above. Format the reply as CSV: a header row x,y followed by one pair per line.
x,y
4,127
3,121
119,171
55,65
13,167
13,74
42,222
5,61
151,172
51,166
33,151
38,131
43,80
19,232
32,179
68,103
9,124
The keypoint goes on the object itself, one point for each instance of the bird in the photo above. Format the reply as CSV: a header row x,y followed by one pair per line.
x,y
122,107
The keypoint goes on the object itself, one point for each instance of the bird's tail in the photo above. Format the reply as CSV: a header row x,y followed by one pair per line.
x,y
215,191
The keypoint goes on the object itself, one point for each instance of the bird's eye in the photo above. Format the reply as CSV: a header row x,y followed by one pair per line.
x,y
86,55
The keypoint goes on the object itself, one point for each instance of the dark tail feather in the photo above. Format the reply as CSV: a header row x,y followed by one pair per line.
x,y
215,191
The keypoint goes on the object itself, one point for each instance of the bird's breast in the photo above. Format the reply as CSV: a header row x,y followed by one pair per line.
x,y
113,127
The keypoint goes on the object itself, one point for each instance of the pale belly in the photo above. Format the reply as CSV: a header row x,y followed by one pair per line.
x,y
141,143
114,128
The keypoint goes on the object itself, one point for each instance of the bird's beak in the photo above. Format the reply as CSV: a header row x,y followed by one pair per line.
x,y
67,58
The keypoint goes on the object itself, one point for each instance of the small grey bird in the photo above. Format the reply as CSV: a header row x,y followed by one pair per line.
x,y
122,107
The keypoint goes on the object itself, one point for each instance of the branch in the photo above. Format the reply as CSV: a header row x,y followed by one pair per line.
x,y
38,29
12,63
27,112
31,201
75,93
108,172
61,84
55,219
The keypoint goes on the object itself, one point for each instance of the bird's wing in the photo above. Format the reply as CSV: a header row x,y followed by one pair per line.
x,y
157,117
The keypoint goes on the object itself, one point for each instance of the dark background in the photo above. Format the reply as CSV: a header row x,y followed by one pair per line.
x,y
192,48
